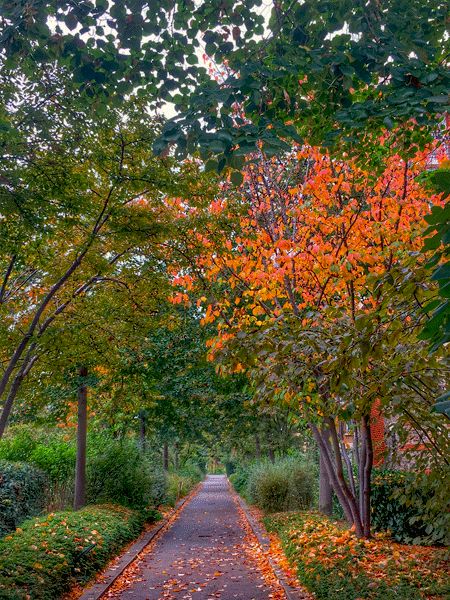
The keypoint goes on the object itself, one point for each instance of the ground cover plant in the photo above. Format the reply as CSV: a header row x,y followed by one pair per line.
x,y
46,555
335,565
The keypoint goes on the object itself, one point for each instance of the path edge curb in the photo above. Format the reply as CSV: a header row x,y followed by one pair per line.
x,y
264,541
97,590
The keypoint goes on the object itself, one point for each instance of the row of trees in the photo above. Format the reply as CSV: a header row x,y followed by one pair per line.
x,y
283,198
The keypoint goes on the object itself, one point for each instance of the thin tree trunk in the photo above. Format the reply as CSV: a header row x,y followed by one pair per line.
x,y
258,446
325,488
143,431
166,456
352,501
17,382
176,456
328,461
9,402
348,463
365,492
335,473
80,468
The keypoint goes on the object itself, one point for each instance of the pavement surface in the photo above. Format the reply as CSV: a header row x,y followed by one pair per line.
x,y
205,555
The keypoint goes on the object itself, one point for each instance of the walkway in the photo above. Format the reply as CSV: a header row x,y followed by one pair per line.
x,y
206,554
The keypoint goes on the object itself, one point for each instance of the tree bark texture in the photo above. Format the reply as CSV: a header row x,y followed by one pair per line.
x,y
80,467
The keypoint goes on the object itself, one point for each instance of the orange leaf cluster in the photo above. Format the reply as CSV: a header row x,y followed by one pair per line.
x,y
307,231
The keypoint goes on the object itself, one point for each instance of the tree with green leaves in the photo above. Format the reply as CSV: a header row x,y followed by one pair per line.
x,y
83,214
332,73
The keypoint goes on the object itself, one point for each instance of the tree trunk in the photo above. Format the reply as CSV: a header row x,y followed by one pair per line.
x,y
15,386
348,463
325,489
336,475
9,403
258,446
366,468
352,501
80,468
176,456
166,456
143,431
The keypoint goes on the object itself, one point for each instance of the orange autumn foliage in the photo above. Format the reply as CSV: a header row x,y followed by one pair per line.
x,y
306,231
316,541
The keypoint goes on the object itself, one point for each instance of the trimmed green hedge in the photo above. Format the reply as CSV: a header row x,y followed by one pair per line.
x,y
22,494
42,559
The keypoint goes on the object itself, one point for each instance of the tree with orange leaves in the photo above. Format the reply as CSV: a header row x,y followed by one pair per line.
x,y
296,265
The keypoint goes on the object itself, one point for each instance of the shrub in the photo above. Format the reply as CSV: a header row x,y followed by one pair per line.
x,y
118,472
239,480
180,483
22,494
288,484
57,459
50,453
413,507
17,445
302,481
268,487
42,559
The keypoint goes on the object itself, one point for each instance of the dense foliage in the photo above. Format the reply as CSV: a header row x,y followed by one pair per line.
x,y
287,484
22,494
260,277
44,557
413,507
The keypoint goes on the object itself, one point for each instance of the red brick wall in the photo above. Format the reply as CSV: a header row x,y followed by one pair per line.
x,y
378,432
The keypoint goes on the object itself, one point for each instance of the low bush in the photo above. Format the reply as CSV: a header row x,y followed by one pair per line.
x,y
413,507
17,445
22,494
239,480
49,452
180,483
56,458
43,559
118,472
287,484
333,564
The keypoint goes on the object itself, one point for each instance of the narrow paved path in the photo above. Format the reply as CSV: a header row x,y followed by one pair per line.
x,y
205,555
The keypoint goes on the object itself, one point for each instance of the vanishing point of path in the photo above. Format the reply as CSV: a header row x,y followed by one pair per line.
x,y
206,554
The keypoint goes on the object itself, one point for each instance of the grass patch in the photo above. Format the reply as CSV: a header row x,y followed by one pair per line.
x,y
44,557
335,565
